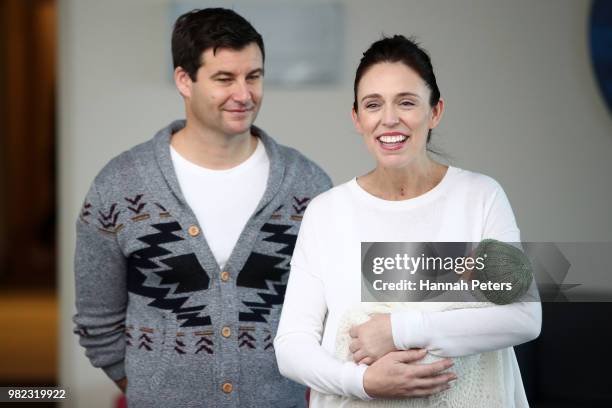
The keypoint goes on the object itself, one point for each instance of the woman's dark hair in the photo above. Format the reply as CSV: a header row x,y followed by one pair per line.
x,y
399,49
198,30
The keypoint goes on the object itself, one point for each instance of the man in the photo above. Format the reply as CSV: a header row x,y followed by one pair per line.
x,y
184,241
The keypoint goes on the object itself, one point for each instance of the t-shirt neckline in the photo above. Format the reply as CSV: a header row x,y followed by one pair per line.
x,y
426,197
255,157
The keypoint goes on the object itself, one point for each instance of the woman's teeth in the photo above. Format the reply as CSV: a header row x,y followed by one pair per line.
x,y
392,139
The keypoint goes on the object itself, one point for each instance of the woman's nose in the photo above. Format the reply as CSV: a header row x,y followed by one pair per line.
x,y
390,117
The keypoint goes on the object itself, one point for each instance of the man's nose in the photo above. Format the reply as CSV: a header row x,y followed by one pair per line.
x,y
241,92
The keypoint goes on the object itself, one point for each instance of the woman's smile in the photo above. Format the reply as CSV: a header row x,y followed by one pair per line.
x,y
392,140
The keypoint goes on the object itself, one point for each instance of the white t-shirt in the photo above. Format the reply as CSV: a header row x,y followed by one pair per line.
x,y
223,200
325,281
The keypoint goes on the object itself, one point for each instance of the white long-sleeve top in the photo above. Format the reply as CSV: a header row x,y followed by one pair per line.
x,y
325,281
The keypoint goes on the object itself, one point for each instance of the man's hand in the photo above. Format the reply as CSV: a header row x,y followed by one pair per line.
x,y
372,339
122,384
398,375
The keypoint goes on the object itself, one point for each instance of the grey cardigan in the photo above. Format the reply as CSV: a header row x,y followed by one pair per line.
x,y
151,301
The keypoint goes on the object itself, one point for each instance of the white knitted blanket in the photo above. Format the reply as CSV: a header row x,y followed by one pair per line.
x,y
479,381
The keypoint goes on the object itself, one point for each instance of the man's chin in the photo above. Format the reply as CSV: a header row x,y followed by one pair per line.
x,y
237,130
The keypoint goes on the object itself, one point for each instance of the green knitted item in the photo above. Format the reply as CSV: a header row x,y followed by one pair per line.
x,y
503,263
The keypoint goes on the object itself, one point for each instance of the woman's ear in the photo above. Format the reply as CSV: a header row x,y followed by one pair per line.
x,y
183,82
436,114
355,118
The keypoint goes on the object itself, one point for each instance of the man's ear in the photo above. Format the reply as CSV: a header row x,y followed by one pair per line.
x,y
183,82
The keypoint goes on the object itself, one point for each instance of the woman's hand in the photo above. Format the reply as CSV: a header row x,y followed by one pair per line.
x,y
372,339
398,375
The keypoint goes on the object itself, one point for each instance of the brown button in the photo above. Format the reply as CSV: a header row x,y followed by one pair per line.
x,y
225,275
227,387
193,230
226,331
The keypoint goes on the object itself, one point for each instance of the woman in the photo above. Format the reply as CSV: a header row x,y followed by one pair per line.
x,y
408,197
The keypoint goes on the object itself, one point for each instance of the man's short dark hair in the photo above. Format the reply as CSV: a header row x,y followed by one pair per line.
x,y
198,30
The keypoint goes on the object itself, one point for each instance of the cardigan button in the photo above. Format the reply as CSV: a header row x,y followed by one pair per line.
x,y
225,275
227,387
193,230
226,332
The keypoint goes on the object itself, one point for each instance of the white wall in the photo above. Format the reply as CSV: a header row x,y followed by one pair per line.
x,y
521,106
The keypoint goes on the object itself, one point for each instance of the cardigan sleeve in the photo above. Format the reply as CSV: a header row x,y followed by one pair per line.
x,y
101,292
299,353
462,332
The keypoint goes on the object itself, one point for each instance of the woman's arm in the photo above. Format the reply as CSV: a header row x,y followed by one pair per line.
x,y
301,357
452,333
463,332
298,348
297,344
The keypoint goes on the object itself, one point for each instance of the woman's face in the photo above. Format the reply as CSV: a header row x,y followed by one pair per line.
x,y
394,115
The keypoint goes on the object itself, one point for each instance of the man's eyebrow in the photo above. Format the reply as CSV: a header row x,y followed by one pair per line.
x,y
259,71
256,71
222,73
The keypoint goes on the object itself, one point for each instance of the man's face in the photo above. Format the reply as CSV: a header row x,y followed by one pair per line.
x,y
228,90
